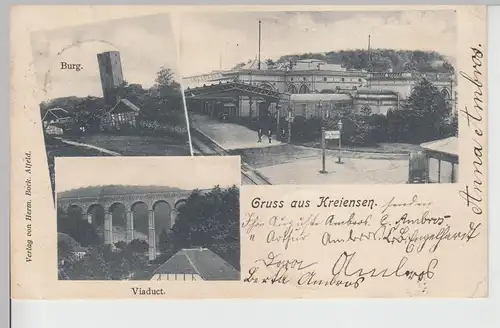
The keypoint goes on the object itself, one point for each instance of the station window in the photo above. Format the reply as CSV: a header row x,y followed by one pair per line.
x,y
343,79
325,79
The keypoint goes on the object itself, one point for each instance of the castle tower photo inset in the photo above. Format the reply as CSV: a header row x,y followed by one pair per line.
x,y
110,68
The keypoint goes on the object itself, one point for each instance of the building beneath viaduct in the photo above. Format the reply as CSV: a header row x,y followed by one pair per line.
x,y
87,205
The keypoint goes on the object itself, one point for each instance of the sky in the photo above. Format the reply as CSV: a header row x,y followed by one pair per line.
x,y
145,43
185,173
206,38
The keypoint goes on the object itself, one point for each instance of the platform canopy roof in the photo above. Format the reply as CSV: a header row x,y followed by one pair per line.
x,y
231,90
447,146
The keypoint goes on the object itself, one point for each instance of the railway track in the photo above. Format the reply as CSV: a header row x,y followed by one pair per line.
x,y
207,147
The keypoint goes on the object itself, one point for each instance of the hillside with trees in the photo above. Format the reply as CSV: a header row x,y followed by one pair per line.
x,y
96,191
382,60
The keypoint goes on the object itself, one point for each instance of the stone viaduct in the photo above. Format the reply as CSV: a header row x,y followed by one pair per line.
x,y
175,200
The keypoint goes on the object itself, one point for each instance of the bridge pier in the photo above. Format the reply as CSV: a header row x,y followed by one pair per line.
x,y
130,226
173,217
151,235
108,228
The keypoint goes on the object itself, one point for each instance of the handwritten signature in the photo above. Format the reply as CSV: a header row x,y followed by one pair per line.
x,y
344,275
343,266
473,194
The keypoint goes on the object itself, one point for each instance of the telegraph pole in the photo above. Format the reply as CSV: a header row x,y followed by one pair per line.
x,y
259,44
369,60
323,140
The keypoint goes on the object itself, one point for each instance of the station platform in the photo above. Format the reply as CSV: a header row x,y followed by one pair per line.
x,y
230,136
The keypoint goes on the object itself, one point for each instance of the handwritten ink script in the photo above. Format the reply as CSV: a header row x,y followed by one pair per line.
x,y
341,242
27,206
475,118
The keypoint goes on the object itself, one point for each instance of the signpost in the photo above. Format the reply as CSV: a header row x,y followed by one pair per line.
x,y
328,135
332,135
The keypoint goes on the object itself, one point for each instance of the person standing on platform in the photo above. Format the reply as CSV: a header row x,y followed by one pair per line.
x,y
269,134
259,134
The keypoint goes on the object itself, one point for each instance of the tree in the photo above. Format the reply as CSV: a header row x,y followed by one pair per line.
x,y
138,246
92,266
64,251
166,84
447,67
239,65
366,110
209,218
79,229
121,245
101,262
163,241
428,111
270,63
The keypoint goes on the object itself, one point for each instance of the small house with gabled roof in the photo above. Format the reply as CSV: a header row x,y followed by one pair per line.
x,y
56,115
196,264
122,115
55,129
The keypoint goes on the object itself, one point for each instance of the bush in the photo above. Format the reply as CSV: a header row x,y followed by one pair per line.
x,y
399,126
103,263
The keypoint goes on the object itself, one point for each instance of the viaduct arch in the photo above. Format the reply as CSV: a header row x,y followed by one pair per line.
x,y
106,204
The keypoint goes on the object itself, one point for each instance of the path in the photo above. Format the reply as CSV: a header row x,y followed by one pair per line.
x,y
74,143
139,145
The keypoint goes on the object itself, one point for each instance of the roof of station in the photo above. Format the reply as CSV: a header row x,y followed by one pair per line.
x,y
232,89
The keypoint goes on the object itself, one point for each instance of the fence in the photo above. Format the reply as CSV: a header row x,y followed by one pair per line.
x,y
160,127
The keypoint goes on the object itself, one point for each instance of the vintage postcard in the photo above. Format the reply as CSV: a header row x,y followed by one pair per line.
x,y
249,152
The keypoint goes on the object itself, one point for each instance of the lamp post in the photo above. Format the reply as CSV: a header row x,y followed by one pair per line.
x,y
340,125
323,141
323,152
278,130
290,118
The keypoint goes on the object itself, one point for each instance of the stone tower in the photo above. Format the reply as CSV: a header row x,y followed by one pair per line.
x,y
110,68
